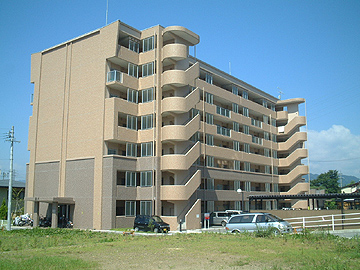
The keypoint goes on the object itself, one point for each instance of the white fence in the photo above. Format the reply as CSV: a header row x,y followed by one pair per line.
x,y
3,223
326,222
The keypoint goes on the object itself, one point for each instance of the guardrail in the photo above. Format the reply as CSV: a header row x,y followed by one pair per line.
x,y
327,221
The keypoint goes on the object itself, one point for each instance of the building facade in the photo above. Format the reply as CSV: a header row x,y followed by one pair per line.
x,y
126,122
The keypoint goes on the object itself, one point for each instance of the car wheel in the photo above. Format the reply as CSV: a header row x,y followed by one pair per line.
x,y
136,229
156,230
275,231
223,223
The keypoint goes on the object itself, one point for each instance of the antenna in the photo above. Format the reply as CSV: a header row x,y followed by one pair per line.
x,y
107,11
280,92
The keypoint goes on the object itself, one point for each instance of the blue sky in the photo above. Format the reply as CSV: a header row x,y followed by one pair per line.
x,y
308,49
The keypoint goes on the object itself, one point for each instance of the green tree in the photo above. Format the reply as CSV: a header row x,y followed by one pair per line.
x,y
328,181
3,210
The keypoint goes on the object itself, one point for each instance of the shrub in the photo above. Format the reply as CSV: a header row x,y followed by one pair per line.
x,y
3,210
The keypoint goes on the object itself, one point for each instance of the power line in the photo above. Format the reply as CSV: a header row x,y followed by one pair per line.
x,y
335,160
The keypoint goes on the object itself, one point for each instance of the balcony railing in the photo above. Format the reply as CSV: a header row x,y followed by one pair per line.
x,y
257,140
222,111
115,75
223,131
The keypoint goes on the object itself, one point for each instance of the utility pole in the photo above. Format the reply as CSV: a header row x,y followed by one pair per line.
x,y
10,138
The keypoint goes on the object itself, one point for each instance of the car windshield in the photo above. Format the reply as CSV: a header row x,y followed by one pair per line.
x,y
275,218
157,219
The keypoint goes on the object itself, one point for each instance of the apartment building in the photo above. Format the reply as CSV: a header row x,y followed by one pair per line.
x,y
126,122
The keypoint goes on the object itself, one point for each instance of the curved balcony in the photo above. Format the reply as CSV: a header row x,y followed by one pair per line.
x,y
294,174
294,139
175,52
181,192
179,78
181,104
293,157
181,132
179,161
183,33
299,188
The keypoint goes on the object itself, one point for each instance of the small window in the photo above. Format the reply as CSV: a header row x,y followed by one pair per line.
x,y
209,139
130,179
236,126
246,112
131,122
130,208
147,121
133,70
209,118
112,152
236,145
145,208
146,149
132,95
148,69
146,178
147,95
131,149
209,78
148,44
209,98
237,165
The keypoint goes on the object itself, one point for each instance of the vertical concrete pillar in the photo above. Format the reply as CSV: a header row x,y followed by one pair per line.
x,y
36,214
54,215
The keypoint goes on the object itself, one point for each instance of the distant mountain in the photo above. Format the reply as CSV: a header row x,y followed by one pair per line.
x,y
346,179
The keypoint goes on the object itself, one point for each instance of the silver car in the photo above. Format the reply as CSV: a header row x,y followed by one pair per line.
x,y
251,222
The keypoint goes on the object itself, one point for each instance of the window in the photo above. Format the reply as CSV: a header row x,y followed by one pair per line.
x,y
247,186
276,171
132,95
145,208
267,187
209,118
245,94
114,75
130,179
236,145
222,111
148,44
130,208
210,183
237,184
267,169
256,123
235,90
246,148
195,137
223,131
237,165
146,178
246,112
247,166
134,45
148,69
257,140
147,121
131,149
273,122
210,161
246,130
276,187
112,151
147,95
274,154
273,137
131,122
146,149
236,126
193,113
209,139
235,108
267,152
133,70
266,119
273,107
237,205
210,206
264,103
266,135
209,78
209,98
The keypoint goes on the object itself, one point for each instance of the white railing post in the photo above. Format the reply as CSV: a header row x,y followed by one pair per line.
x,y
333,222
304,222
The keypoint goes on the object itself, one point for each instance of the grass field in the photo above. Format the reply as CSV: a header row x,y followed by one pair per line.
x,y
75,249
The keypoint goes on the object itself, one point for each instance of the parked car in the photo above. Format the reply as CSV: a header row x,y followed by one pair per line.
x,y
222,217
150,223
251,222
